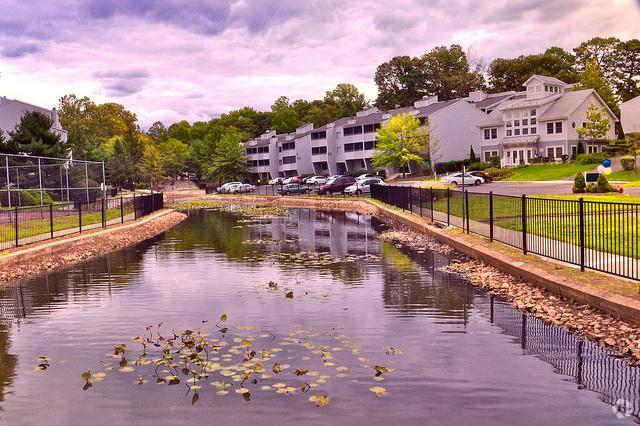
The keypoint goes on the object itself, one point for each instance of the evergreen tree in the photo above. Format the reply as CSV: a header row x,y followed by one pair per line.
x,y
230,161
33,136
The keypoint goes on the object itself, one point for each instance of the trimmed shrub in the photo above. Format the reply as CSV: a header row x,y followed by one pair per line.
x,y
595,158
603,185
592,188
478,167
495,161
580,149
579,184
628,163
32,198
499,174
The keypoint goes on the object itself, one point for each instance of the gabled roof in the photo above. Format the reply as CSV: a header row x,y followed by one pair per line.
x,y
494,119
545,79
568,103
530,103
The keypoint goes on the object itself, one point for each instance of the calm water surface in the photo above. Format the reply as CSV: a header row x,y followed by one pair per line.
x,y
463,357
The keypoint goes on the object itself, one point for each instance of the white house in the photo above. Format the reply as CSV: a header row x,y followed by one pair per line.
x,y
12,111
541,122
630,115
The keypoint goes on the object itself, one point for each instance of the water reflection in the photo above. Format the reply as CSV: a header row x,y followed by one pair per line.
x,y
461,347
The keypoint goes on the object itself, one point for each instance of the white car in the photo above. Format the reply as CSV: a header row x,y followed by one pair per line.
x,y
287,180
225,187
316,180
235,188
363,186
247,187
275,181
365,176
456,179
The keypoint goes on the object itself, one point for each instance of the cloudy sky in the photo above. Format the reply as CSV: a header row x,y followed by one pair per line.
x,y
194,59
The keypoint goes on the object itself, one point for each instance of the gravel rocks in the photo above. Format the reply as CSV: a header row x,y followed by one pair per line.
x,y
77,251
609,332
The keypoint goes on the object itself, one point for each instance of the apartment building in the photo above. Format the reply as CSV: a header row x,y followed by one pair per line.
x,y
540,122
348,144
630,115
12,111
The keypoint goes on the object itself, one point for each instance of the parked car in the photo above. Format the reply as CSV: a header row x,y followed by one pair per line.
x,y
456,179
276,181
294,188
235,188
363,186
247,187
483,175
337,185
224,188
316,180
365,176
292,179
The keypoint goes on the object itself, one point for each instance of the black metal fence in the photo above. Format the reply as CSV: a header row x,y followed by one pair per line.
x,y
25,225
598,235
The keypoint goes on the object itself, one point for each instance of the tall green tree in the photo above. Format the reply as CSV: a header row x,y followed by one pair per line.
x,y
507,74
446,72
157,131
347,99
591,78
174,154
230,161
33,136
399,82
284,118
626,79
603,50
401,141
151,168
120,165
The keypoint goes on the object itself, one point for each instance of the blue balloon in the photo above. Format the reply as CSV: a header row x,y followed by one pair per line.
x,y
606,163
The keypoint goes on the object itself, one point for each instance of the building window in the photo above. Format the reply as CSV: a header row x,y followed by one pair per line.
x,y
559,127
369,145
558,152
318,135
574,150
487,134
525,122
487,157
533,131
509,132
491,134
534,121
289,160
516,122
532,112
508,123
516,132
288,146
319,150
525,131
549,128
368,128
494,133
550,152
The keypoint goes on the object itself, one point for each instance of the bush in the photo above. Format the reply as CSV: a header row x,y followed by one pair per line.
x,y
495,161
592,188
579,184
603,184
595,158
499,174
628,163
475,167
32,198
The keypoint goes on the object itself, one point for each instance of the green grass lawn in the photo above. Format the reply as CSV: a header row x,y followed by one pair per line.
x,y
548,171
608,198
625,175
33,227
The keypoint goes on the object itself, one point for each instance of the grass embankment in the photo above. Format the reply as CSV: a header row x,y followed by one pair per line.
x,y
632,176
32,227
543,172
609,227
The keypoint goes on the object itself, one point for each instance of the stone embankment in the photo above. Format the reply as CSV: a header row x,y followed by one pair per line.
x,y
31,260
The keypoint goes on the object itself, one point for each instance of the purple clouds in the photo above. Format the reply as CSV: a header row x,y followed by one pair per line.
x,y
193,59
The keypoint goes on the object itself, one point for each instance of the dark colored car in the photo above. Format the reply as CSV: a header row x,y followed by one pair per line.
x,y
294,188
338,185
483,175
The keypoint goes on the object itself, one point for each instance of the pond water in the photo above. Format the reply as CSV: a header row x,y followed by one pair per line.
x,y
446,352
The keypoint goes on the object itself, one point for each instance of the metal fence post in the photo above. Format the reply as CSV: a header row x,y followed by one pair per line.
x,y
121,210
420,192
104,218
80,216
410,201
17,234
135,210
524,223
581,233
491,216
466,209
51,218
448,207
431,202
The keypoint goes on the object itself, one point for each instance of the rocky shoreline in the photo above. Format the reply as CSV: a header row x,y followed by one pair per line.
x,y
76,251
609,332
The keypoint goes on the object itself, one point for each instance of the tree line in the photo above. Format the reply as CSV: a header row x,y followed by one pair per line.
x,y
210,149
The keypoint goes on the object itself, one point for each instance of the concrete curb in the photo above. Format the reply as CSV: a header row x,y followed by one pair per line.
x,y
57,245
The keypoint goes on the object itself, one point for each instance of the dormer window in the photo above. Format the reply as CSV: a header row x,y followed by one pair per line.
x,y
532,112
